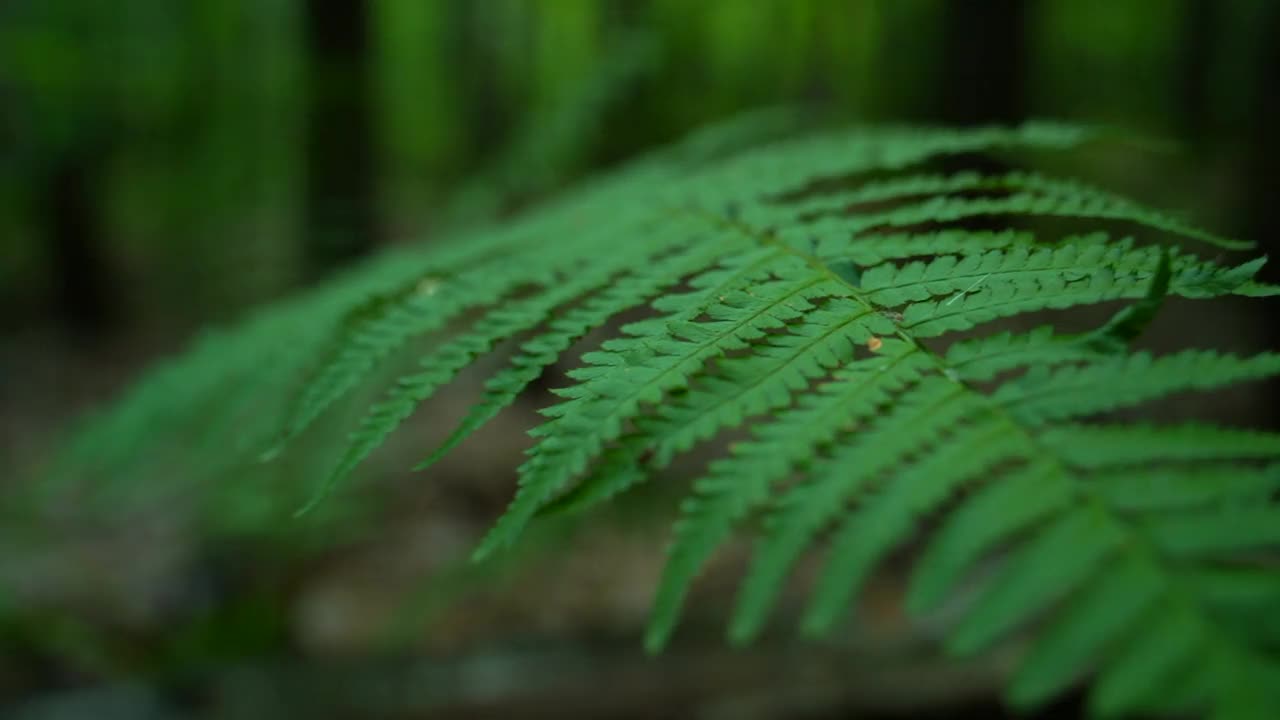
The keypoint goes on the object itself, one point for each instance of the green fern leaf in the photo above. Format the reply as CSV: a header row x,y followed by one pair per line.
x,y
870,250
779,366
1113,384
1147,490
981,360
383,326
825,295
658,357
738,484
888,517
1168,639
1033,195
993,514
1216,532
1052,564
1103,446
916,419
1092,622
443,365
775,170
541,351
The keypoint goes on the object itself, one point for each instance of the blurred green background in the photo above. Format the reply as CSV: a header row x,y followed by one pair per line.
x,y
166,164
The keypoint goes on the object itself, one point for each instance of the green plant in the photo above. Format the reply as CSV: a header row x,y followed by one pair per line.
x,y
820,293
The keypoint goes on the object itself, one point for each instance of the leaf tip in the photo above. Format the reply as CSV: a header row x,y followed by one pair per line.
x,y
655,640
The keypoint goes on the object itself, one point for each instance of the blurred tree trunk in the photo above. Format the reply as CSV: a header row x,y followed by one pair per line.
x,y
340,200
982,77
489,107
82,286
1264,144
1200,27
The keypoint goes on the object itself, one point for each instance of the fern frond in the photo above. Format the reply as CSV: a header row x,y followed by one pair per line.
x,y
1170,637
1089,624
914,422
538,353
813,292
430,301
1105,446
793,166
982,359
885,518
741,483
981,302
944,209
1208,532
444,363
659,356
992,514
384,325
740,387
1116,383
1031,195
1050,565
1220,484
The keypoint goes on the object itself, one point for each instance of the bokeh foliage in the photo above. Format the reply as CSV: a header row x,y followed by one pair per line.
x,y
191,128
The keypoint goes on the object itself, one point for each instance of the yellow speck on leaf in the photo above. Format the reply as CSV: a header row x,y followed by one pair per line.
x,y
428,286
874,344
